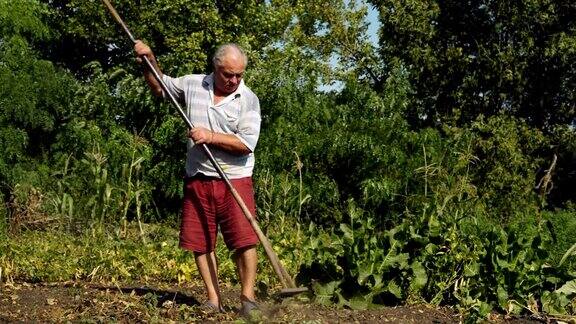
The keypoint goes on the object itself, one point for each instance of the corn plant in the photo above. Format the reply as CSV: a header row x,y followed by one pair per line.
x,y
101,200
132,190
61,200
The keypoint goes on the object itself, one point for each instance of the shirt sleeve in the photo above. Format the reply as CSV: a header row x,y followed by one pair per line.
x,y
175,86
249,123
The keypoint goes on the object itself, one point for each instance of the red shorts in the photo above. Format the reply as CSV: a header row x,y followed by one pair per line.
x,y
207,203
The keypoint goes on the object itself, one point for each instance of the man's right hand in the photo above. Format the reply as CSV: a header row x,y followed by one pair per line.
x,y
142,49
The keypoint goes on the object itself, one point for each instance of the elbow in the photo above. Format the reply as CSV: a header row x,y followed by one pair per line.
x,y
246,151
243,150
157,91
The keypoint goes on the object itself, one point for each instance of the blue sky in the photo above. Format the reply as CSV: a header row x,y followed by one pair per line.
x,y
373,24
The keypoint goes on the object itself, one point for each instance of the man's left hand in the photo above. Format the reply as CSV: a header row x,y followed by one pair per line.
x,y
201,135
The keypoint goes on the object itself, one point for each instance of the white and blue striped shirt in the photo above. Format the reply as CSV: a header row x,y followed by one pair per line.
x,y
237,114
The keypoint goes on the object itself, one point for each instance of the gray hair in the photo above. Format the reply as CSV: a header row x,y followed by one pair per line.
x,y
224,49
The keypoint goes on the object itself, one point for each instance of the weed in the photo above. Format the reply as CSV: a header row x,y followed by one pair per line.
x,y
27,209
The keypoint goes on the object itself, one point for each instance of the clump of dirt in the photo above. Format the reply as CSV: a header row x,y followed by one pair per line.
x,y
80,301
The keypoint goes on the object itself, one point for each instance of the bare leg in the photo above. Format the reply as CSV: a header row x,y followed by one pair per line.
x,y
208,268
246,263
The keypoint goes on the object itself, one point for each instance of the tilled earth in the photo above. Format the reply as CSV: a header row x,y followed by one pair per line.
x,y
80,302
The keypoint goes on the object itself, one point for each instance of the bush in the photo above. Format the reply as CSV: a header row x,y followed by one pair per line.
x,y
3,217
564,226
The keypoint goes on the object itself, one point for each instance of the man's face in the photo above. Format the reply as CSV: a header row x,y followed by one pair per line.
x,y
229,73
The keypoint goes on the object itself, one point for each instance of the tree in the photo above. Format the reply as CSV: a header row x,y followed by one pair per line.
x,y
468,58
35,95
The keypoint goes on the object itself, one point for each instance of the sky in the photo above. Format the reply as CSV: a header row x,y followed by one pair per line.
x,y
373,24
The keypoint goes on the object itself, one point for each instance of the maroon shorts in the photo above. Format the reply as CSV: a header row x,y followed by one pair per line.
x,y
208,203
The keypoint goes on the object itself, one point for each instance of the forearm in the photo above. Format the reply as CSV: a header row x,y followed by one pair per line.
x,y
153,83
225,142
144,53
229,143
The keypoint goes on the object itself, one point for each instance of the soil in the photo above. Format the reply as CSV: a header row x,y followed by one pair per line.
x,y
81,302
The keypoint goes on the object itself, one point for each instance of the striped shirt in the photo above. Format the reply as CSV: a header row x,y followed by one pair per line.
x,y
237,114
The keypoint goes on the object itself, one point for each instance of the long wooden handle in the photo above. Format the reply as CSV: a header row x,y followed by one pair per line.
x,y
281,272
119,20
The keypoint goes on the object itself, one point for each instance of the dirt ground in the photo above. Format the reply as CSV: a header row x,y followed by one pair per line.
x,y
89,302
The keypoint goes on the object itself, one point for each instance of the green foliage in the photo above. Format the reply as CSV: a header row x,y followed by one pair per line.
x,y
182,33
105,179
563,225
507,152
60,256
484,57
351,144
448,217
466,60
281,199
466,263
34,100
3,219
558,302
450,244
23,17
564,145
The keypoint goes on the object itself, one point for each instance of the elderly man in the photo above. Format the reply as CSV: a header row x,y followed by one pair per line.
x,y
226,117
